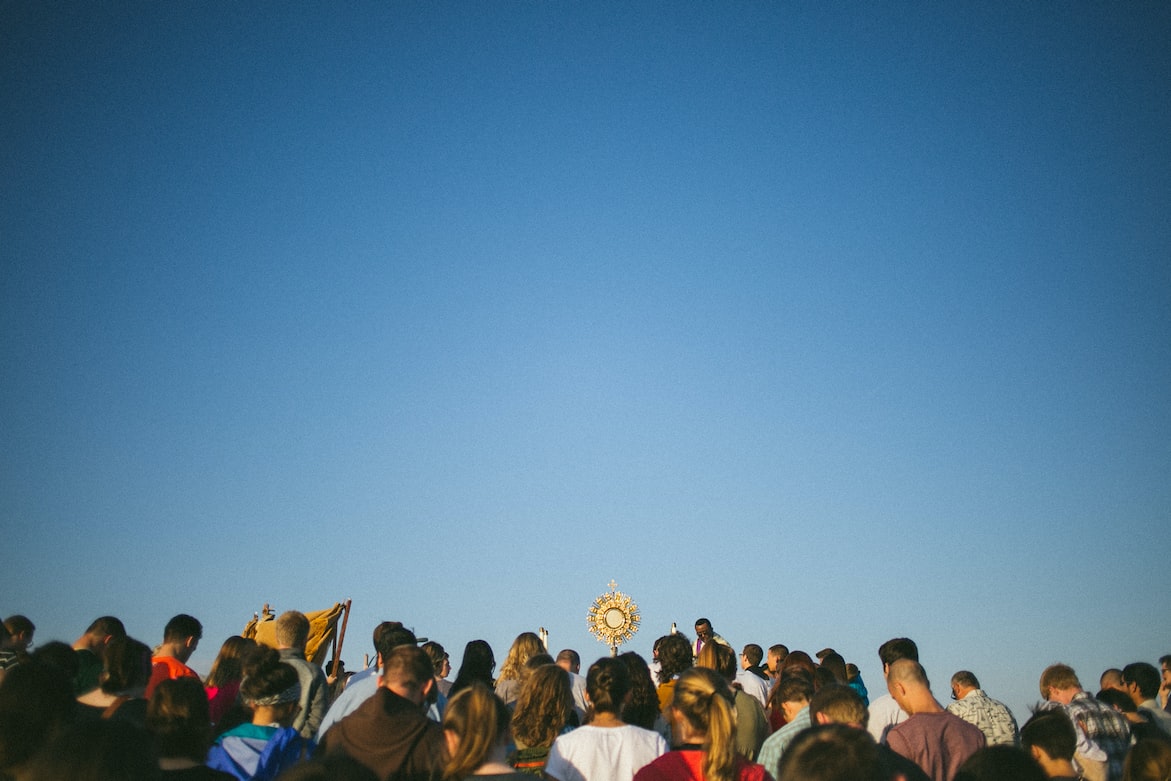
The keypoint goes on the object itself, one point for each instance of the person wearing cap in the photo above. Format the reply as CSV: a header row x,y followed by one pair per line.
x,y
387,636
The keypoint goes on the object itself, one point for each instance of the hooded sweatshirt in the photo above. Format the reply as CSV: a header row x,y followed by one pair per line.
x,y
390,735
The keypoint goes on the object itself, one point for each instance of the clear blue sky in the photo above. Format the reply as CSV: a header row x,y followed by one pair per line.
x,y
830,323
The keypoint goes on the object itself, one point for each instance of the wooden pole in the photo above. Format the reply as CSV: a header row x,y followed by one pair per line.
x,y
340,638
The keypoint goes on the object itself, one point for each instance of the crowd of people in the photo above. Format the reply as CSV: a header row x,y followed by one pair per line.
x,y
109,707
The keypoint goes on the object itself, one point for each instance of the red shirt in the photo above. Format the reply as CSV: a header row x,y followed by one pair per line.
x,y
164,668
688,765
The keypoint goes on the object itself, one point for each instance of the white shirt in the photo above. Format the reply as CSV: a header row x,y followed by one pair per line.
x,y
884,714
603,753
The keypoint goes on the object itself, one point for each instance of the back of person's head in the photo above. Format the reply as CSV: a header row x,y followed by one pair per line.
x,y
126,667
19,624
839,704
328,767
477,665
107,626
852,671
1058,676
60,655
1110,678
780,651
1145,676
229,662
1148,760
674,656
292,629
754,654
268,680
1117,699
36,701
478,720
1000,763
642,707
966,679
909,673
570,657
834,662
832,752
538,660
179,718
1052,732
794,686
182,627
798,660
702,698
407,667
390,635
543,707
607,685
898,648
98,750
720,658
526,645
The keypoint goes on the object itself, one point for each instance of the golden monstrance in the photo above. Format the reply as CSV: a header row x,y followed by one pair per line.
x,y
613,618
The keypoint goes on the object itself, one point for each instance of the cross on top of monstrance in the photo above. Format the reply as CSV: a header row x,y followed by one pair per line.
x,y
613,618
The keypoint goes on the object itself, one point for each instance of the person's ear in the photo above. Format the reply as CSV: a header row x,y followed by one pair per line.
x,y
822,718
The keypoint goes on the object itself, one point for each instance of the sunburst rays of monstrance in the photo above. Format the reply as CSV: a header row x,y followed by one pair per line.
x,y
613,618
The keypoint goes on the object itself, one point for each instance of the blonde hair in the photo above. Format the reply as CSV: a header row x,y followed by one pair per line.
x,y
703,698
480,720
524,647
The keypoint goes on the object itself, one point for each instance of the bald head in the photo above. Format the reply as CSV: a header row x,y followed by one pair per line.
x,y
907,683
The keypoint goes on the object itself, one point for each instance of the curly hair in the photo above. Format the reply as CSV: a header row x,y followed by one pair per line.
x,y
543,707
525,646
643,708
265,675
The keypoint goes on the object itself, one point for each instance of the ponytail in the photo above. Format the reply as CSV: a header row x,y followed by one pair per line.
x,y
703,698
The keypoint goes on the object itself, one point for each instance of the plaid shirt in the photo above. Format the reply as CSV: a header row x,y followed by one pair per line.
x,y
1103,728
993,718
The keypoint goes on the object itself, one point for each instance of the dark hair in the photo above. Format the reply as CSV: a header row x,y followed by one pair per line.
x,y
389,635
36,699
60,655
408,665
643,707
569,655
18,623
98,750
181,627
265,675
127,665
832,752
1000,763
1117,699
331,767
435,652
229,662
1144,675
898,648
477,665
179,718
794,687
674,656
754,654
107,626
607,684
1052,732
834,662
1148,760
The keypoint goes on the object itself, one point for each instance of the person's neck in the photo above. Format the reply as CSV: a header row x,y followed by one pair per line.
x,y
607,719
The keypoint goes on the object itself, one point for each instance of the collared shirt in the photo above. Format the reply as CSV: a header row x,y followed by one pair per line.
x,y
774,747
753,685
993,718
1102,732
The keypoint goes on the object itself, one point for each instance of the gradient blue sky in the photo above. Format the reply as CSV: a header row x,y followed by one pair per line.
x,y
828,322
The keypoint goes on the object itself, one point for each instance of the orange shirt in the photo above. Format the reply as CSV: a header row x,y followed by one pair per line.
x,y
164,668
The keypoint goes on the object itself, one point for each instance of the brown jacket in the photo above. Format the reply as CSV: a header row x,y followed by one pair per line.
x,y
390,735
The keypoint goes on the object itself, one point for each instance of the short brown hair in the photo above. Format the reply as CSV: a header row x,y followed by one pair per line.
x,y
292,629
408,665
1058,676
